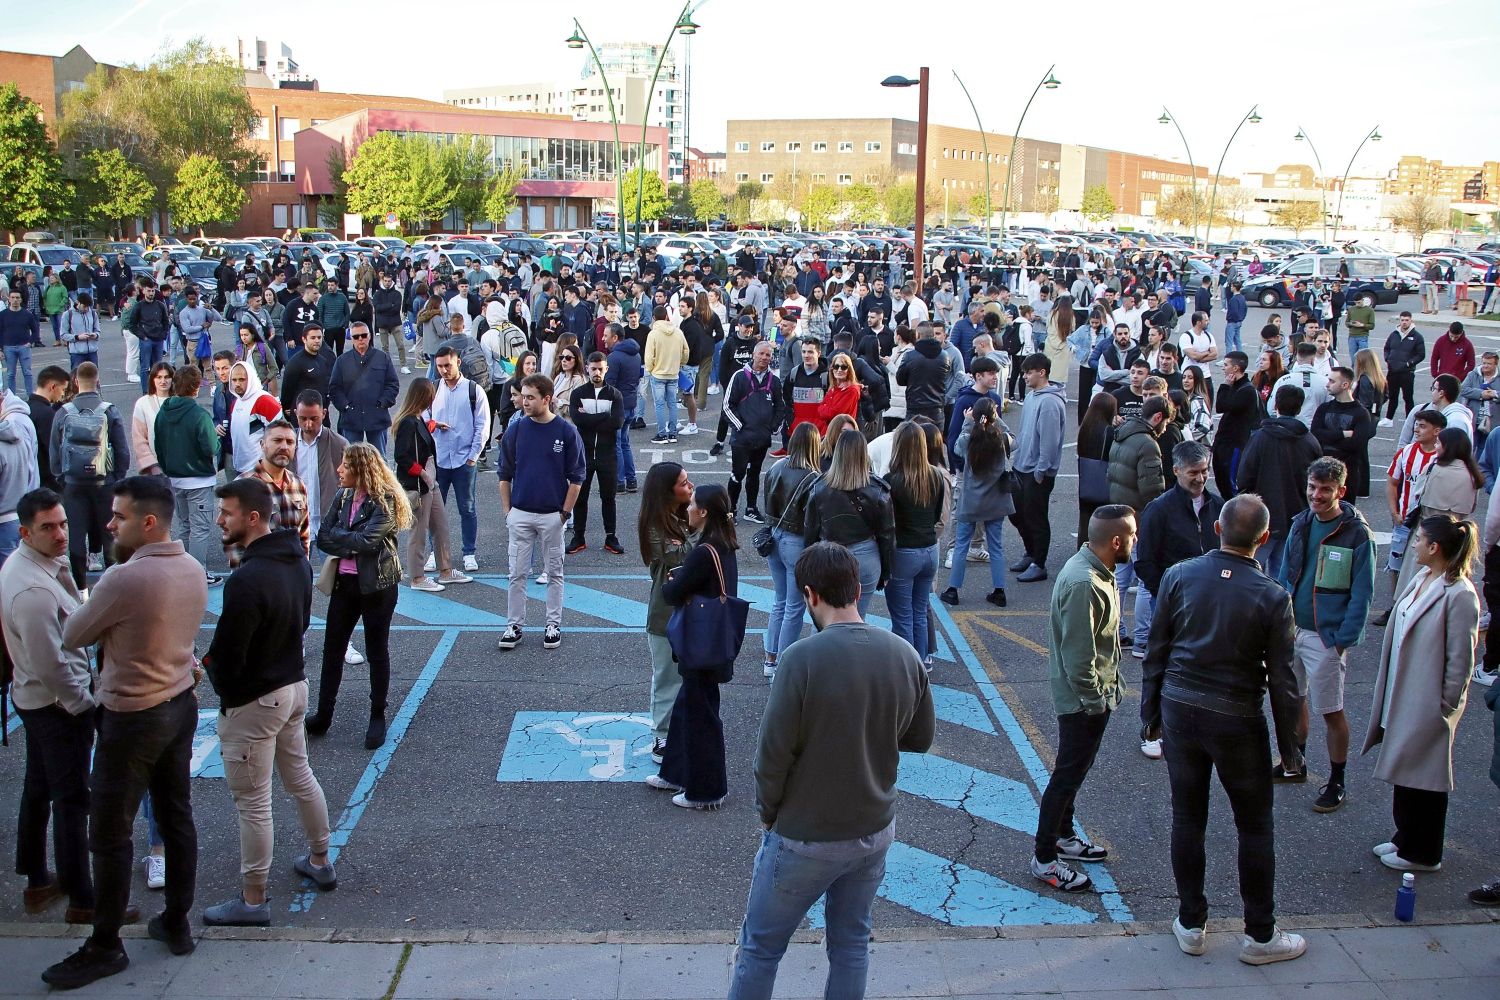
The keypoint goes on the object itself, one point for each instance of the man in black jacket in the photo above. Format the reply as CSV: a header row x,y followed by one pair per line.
x,y
841,320
924,370
1222,636
1274,467
754,405
878,297
1239,406
598,411
385,302
1405,350
311,367
255,665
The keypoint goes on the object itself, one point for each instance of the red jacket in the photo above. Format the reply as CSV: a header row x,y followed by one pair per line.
x,y
836,401
1452,357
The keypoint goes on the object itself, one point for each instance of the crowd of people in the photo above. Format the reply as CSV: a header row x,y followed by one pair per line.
x,y
883,415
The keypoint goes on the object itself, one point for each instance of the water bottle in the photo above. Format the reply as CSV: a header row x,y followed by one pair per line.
x,y
1406,898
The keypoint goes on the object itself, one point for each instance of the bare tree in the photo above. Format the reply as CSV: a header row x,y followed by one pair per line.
x,y
1419,215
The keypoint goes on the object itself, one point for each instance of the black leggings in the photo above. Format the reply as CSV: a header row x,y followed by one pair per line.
x,y
335,337
744,466
345,607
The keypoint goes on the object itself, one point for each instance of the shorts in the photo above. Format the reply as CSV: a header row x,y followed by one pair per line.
x,y
687,379
1320,673
1399,535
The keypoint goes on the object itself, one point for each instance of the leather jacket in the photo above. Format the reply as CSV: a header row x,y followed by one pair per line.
x,y
1221,637
853,516
370,539
785,482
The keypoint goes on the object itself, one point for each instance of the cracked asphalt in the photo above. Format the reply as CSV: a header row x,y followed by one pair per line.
x,y
440,843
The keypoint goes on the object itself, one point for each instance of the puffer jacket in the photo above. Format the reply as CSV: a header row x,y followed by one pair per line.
x,y
1274,466
370,539
1135,471
924,372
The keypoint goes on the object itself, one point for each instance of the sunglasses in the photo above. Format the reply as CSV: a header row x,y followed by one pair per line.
x,y
841,368
359,336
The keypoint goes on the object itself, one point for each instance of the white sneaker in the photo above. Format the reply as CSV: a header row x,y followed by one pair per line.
x,y
353,657
1483,677
1381,850
405,370
690,428
713,389
1192,940
767,668
471,564
1151,748
661,784
979,555
156,871
542,578
1138,651
1282,947
431,564
96,562
948,560
1060,875
1387,423
427,585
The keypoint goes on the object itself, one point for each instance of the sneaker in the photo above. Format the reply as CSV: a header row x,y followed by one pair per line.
x,y
551,637
779,453
948,560
1282,947
1487,894
1396,861
1192,940
638,424
156,871
1281,777
576,546
612,546
96,562
1483,677
681,799
1059,875
1035,574
1387,422
661,439
454,578
661,784
471,564
1379,621
1381,850
658,749
1021,565
690,428
238,913
88,964
430,566
768,668
352,656
754,516
1151,748
717,449
949,596
213,579
1330,797
542,578
1075,848
510,638
1139,652
179,939
1126,641
713,389
671,439
322,876
996,597
979,555
405,370
427,585
631,487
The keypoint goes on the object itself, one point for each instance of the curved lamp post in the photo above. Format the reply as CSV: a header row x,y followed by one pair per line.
x,y
1338,213
577,40
1302,136
1253,117
1051,83
684,25
918,262
984,140
1167,118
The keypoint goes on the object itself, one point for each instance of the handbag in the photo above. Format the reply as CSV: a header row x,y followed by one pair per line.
x,y
1093,480
764,539
328,575
706,632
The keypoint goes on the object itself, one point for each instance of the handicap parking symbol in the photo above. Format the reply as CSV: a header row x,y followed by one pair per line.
x,y
573,746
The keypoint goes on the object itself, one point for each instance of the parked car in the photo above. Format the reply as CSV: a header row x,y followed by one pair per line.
x,y
382,244
238,249
201,273
1372,278
13,273
45,254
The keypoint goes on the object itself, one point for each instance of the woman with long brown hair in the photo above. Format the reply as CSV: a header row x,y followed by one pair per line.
x,y
918,492
662,533
984,446
415,458
714,333
1269,369
1095,435
1060,326
788,487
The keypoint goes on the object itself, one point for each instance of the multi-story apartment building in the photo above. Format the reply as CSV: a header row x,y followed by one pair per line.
x,y
1419,175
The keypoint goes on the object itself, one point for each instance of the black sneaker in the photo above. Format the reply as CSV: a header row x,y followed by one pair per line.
x,y
1126,640
1329,798
671,439
1487,894
639,423
996,597
949,596
717,449
179,941
1281,777
510,638
551,637
612,546
658,750
754,516
88,964
631,487
214,580
661,439
576,546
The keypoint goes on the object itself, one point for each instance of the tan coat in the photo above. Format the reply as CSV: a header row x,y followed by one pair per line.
x,y
1437,659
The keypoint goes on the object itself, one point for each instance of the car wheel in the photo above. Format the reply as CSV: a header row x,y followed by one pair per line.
x,y
1367,299
1269,299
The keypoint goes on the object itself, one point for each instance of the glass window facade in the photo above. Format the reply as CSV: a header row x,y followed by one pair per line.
x,y
559,159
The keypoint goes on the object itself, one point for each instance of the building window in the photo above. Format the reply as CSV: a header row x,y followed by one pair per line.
x,y
741,177
289,128
278,216
316,122
819,178
288,170
768,147
794,147
846,178
906,149
260,172
872,147
742,147
262,130
846,146
767,178
820,147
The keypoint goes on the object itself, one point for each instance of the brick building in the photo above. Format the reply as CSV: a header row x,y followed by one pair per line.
x,y
45,79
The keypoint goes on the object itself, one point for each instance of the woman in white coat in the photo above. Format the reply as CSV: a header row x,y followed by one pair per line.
x,y
1420,688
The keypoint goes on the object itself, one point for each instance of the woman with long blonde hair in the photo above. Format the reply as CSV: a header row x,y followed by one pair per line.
x,y
788,488
1369,389
852,506
359,535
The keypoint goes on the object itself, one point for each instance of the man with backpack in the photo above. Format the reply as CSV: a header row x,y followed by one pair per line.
x,y
90,453
150,322
460,415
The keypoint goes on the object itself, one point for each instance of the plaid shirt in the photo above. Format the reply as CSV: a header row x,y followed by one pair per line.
x,y
290,508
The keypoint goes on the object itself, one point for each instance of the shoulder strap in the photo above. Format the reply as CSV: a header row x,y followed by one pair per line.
x,y
718,568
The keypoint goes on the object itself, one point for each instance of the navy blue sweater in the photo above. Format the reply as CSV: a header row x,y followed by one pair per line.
x,y
17,327
539,460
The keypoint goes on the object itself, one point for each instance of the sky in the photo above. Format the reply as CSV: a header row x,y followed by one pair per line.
x,y
1332,67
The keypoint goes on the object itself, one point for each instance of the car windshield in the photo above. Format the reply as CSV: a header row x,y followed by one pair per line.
x,y
199,268
56,255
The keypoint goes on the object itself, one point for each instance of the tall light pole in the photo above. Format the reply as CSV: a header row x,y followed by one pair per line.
x,y
984,141
684,25
1167,118
921,84
1051,83
1302,136
1253,117
1338,213
579,39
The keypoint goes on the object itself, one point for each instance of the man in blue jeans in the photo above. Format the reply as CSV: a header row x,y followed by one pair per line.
x,y
461,412
825,775
18,327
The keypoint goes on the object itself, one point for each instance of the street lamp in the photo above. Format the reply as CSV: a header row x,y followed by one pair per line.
x,y
1051,83
1167,118
577,40
684,25
1253,117
921,84
1338,213
1302,136
984,140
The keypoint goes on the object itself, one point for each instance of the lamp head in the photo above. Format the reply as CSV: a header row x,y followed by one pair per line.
x,y
1299,136
1052,82
575,40
1375,135
898,81
1254,117
1165,118
685,25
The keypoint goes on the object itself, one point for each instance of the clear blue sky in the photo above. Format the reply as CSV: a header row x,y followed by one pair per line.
x,y
1425,71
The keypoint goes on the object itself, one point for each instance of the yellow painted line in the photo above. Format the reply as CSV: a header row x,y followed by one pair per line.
x,y
1019,640
1039,740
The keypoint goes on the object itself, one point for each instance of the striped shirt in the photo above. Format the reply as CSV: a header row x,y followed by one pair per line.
x,y
1407,466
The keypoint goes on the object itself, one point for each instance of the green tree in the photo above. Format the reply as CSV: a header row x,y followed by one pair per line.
x,y
32,187
653,195
863,204
500,194
331,208
1297,216
1097,205
375,176
470,163
205,193
823,201
113,189
899,202
979,207
678,202
429,188
706,200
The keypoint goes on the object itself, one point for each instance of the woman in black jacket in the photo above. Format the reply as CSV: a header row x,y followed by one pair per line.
x,y
415,458
788,489
693,760
852,506
359,533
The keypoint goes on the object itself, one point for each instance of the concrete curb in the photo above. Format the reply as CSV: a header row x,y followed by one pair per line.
x,y
1331,921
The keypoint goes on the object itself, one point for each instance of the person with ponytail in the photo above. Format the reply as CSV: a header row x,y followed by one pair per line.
x,y
1420,688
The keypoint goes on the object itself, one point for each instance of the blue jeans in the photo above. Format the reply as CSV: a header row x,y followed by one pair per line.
x,y
994,537
74,360
152,353
1269,555
868,554
1145,610
375,438
784,886
624,457
908,592
18,359
1357,344
462,481
664,395
785,626
10,538
1232,337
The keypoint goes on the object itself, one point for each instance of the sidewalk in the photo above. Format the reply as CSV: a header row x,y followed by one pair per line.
x,y
1358,956
1446,316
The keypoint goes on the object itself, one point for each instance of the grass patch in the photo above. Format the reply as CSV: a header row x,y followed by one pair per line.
x,y
390,991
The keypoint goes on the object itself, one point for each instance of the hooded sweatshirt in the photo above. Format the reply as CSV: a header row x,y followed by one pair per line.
x,y
19,472
1043,419
257,643
253,410
666,350
186,445
1274,466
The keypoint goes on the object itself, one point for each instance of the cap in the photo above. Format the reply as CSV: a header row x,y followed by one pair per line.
x,y
745,320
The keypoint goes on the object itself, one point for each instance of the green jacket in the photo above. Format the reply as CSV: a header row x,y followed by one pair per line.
x,y
1360,320
1084,661
186,445
1135,467
333,310
54,298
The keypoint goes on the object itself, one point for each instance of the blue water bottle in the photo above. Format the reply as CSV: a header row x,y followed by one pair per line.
x,y
1406,898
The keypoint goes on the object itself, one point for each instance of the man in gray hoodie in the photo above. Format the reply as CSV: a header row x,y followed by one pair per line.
x,y
1037,457
19,474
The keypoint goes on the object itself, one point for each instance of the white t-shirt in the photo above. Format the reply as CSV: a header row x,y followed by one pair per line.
x,y
1197,341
